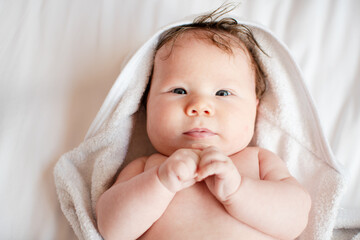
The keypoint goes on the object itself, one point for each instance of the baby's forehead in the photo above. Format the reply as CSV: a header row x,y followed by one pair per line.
x,y
223,40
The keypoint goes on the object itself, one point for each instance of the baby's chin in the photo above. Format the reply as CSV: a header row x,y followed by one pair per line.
x,y
169,150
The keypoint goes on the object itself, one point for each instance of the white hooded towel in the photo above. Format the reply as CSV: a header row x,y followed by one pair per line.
x,y
287,124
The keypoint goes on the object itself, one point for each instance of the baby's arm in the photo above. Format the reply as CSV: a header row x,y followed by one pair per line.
x,y
276,204
139,198
133,203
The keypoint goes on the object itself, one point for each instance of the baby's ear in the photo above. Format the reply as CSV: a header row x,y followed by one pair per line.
x,y
257,102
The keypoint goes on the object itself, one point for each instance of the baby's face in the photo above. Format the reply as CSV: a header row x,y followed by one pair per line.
x,y
201,96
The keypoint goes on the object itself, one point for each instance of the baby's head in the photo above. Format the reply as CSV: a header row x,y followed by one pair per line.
x,y
204,88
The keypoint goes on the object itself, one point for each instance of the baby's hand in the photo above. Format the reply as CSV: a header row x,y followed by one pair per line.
x,y
220,173
179,170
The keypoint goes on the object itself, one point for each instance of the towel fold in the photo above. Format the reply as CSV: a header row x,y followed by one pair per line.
x,y
287,124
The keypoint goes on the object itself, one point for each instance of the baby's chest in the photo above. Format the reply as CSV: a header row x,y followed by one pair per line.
x,y
195,213
194,210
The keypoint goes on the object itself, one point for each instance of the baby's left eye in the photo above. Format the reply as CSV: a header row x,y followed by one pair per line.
x,y
223,93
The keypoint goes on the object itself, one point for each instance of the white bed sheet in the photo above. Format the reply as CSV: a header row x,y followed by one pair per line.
x,y
58,59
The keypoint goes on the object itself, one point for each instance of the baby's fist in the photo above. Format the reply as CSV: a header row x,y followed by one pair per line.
x,y
220,173
179,170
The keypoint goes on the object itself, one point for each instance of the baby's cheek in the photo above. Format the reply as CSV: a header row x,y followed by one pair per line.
x,y
244,134
249,130
246,128
242,129
166,122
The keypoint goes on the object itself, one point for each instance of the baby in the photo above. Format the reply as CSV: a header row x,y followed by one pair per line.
x,y
205,182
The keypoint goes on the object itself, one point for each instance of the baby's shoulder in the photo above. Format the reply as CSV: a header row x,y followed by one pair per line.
x,y
247,162
255,151
257,154
154,160
248,152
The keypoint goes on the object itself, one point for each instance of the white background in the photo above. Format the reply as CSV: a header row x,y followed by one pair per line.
x,y
58,60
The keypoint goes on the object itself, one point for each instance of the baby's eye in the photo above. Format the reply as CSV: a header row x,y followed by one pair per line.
x,y
223,93
179,91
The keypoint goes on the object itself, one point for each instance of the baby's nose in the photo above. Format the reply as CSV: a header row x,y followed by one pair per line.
x,y
199,106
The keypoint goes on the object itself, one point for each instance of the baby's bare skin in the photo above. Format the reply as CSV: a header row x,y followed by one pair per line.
x,y
204,182
267,205
194,213
268,202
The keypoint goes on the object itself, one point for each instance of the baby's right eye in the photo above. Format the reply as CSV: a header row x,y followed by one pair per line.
x,y
179,91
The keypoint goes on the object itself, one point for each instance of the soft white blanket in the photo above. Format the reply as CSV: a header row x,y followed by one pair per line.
x,y
287,124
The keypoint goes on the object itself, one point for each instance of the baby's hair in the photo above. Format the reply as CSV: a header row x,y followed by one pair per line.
x,y
225,34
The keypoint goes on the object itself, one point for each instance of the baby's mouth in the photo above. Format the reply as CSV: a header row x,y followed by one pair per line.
x,y
199,133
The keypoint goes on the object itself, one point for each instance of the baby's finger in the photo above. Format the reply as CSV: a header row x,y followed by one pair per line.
x,y
185,170
210,155
180,170
215,168
189,183
192,162
190,156
195,158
